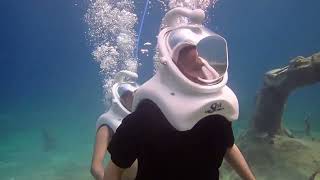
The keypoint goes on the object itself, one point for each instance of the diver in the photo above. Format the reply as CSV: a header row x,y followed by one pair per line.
x,y
181,124
122,96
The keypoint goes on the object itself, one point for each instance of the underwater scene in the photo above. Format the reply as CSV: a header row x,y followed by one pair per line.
x,y
59,61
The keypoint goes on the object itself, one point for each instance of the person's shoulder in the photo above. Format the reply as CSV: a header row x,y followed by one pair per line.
x,y
219,121
219,117
147,106
142,112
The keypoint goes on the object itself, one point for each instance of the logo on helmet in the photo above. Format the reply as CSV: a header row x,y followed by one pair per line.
x,y
217,106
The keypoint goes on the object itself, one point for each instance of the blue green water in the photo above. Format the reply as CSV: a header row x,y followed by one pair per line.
x,y
51,85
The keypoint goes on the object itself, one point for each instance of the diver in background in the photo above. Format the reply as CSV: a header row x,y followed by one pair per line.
x,y
107,123
181,126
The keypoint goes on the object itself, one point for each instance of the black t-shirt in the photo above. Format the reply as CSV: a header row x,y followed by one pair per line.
x,y
165,153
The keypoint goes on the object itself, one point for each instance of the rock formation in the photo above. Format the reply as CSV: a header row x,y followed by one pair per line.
x,y
278,84
270,149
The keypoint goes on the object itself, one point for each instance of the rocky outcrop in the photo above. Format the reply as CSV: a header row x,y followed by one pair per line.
x,y
277,158
272,151
277,86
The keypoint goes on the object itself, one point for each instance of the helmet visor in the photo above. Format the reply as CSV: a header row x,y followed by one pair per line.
x,y
213,50
125,94
200,54
206,63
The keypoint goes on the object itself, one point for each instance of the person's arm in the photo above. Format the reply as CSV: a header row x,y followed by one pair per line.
x,y
113,172
235,158
123,147
100,148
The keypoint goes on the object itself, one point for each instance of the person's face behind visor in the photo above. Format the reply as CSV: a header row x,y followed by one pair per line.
x,y
189,59
126,100
193,67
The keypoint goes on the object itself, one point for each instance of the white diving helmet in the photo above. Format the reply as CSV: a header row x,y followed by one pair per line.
x,y
122,97
191,85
